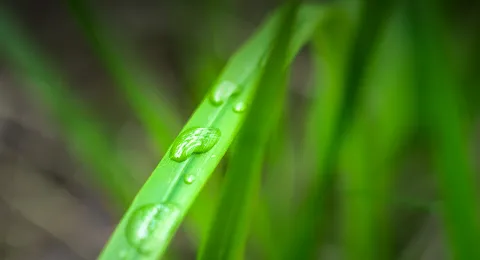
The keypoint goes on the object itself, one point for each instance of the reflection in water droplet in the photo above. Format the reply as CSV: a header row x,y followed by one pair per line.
x,y
189,179
194,140
223,91
239,107
145,229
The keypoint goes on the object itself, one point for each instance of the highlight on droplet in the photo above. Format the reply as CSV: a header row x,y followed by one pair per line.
x,y
189,179
144,228
194,140
239,107
223,91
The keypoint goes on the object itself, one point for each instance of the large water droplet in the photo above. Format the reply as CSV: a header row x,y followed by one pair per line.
x,y
189,178
145,229
194,140
239,107
223,91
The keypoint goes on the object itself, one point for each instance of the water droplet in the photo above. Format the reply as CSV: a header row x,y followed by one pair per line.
x,y
223,91
194,140
146,228
189,179
239,107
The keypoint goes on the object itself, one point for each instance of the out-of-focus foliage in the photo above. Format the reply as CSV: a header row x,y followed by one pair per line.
x,y
364,147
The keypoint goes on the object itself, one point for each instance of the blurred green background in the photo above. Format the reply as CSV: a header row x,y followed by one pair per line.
x,y
376,152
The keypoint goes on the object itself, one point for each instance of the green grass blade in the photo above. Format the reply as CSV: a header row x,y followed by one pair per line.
x,y
198,218
205,61
228,233
446,124
153,110
158,209
271,228
332,121
330,45
381,125
84,134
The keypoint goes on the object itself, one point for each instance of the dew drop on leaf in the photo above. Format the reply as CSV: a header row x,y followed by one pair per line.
x,y
239,107
194,140
144,228
223,91
189,179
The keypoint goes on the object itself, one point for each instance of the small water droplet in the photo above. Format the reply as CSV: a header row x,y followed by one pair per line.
x,y
194,140
189,179
239,107
145,228
223,91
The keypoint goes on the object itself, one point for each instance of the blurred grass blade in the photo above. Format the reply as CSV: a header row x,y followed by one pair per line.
x,y
158,209
228,233
333,120
84,134
271,227
446,124
381,124
153,110
205,62
198,218
330,47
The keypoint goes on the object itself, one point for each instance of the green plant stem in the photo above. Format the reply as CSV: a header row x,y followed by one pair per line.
x,y
165,191
228,233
